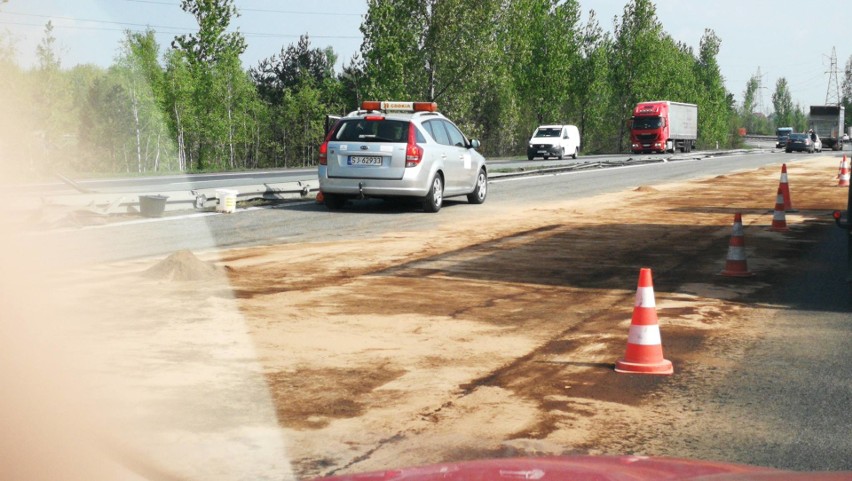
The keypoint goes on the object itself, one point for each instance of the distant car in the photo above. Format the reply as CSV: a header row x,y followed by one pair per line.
x,y
817,142
556,141
845,138
799,142
400,149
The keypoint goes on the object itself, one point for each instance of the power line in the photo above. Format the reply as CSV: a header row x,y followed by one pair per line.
x,y
165,28
261,10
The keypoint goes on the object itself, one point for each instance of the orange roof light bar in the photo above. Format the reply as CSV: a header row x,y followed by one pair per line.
x,y
400,106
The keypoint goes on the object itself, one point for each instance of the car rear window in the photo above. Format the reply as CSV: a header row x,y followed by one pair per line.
x,y
363,130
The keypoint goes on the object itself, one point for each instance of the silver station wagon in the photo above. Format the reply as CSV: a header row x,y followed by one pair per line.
x,y
400,149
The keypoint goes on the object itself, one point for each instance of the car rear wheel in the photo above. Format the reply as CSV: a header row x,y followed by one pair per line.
x,y
576,153
481,190
435,197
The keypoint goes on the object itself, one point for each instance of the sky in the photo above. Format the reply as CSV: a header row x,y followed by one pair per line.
x,y
779,38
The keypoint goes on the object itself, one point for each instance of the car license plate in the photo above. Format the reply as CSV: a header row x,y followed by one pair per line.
x,y
365,160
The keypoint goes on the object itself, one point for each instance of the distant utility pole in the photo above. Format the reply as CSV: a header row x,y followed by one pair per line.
x,y
760,87
832,93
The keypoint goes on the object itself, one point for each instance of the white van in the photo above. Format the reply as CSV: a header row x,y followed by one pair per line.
x,y
554,141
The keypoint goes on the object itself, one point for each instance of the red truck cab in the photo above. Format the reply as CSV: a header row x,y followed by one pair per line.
x,y
663,126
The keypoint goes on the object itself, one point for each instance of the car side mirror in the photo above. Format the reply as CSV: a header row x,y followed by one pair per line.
x,y
474,144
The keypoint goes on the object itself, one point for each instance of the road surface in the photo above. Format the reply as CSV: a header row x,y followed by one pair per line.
x,y
325,342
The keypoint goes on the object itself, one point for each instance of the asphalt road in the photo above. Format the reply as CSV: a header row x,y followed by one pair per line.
x,y
308,221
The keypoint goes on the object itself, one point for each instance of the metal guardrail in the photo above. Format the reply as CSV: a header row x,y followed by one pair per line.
x,y
604,164
196,199
101,203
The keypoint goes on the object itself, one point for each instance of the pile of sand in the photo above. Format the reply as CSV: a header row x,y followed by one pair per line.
x,y
183,265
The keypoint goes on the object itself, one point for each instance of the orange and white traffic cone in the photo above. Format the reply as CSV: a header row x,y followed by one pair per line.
x,y
840,167
736,264
779,218
843,177
785,189
644,346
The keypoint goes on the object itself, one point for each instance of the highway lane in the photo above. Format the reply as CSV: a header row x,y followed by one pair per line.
x,y
309,222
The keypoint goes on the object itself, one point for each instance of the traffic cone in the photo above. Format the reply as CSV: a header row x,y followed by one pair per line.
x,y
644,347
779,218
736,264
840,167
785,189
843,177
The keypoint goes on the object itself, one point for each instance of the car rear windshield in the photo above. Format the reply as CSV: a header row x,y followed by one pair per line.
x,y
798,136
364,130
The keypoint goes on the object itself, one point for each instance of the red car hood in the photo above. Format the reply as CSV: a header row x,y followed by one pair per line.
x,y
589,468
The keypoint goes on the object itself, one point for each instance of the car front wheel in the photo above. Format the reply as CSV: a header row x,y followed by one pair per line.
x,y
481,190
435,197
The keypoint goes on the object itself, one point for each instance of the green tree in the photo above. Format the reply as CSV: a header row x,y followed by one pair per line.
x,y
178,102
714,108
280,80
542,44
393,61
141,78
291,68
782,101
749,104
635,57
846,91
800,119
212,57
52,104
591,88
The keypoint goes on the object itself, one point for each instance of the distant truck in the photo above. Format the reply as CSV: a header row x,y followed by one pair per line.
x,y
827,122
781,136
663,126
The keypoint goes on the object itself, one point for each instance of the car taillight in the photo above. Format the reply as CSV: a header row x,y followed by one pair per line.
x,y
323,153
413,152
322,157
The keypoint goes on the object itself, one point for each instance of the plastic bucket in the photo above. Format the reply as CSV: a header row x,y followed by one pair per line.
x,y
152,205
227,201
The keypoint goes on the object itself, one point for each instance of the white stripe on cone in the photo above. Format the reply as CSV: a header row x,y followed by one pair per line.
x,y
645,297
645,335
736,253
738,230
